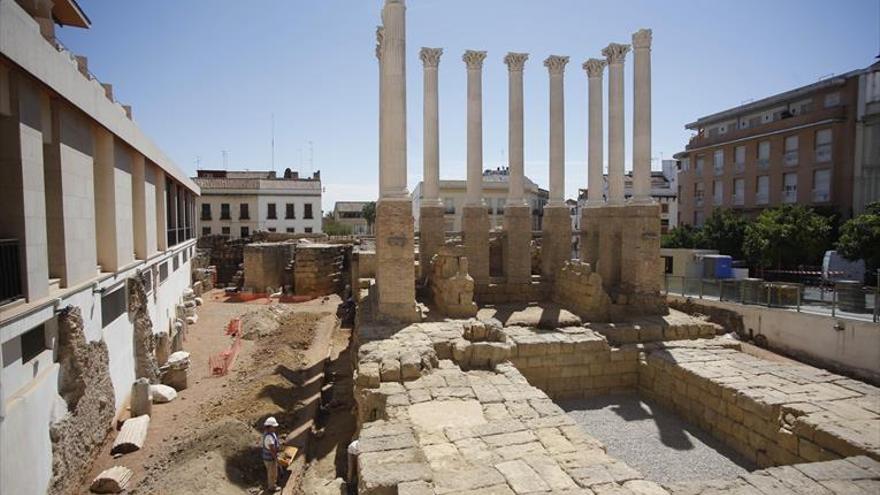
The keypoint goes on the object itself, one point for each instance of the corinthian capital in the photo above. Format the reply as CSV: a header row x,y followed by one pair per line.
x,y
474,59
556,64
430,57
380,35
642,39
516,61
595,67
615,53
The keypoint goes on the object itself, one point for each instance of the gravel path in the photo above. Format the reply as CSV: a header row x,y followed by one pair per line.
x,y
654,440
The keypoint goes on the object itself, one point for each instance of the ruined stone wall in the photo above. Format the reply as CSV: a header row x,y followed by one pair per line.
x,y
85,386
319,269
730,320
504,292
579,289
452,289
267,265
145,365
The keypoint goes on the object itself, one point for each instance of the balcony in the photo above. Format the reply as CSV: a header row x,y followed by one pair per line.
x,y
763,163
10,267
738,200
719,171
823,153
205,217
739,168
789,196
762,198
698,201
790,158
716,200
821,196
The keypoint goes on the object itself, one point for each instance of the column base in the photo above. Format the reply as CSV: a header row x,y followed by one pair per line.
x,y
556,240
475,231
432,227
395,261
517,251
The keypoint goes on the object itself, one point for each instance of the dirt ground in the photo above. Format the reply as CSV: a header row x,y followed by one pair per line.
x,y
206,441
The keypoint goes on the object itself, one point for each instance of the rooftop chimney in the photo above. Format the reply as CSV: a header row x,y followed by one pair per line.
x,y
127,109
108,90
82,63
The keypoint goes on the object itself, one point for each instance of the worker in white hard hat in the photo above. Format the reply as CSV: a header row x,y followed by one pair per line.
x,y
270,446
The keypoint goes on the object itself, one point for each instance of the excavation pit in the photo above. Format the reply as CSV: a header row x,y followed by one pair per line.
x,y
654,440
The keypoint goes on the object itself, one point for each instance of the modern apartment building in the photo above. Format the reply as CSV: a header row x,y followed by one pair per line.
x,y
351,213
236,203
452,193
799,146
88,201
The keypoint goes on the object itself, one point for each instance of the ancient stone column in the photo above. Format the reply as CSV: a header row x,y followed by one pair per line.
x,y
556,236
615,54
589,242
475,218
641,42
395,253
517,214
431,224
380,32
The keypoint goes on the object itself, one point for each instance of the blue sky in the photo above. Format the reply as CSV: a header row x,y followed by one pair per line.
x,y
206,76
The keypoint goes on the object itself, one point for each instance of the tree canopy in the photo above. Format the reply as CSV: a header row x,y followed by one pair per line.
x,y
860,237
787,237
369,211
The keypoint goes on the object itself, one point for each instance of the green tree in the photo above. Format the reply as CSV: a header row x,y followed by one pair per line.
x,y
724,230
369,211
331,227
684,236
860,237
787,237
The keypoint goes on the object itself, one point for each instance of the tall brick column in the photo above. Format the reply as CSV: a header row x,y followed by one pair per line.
x,y
395,253
517,215
556,237
431,223
475,218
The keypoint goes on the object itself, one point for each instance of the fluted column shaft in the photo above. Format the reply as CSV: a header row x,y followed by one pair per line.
x,y
431,192
615,54
556,68
393,94
515,134
642,116
595,185
474,61
379,35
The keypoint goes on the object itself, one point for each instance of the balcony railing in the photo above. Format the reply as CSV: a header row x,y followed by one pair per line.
x,y
763,163
762,198
716,200
698,201
10,267
791,158
821,196
789,196
823,153
739,168
738,200
719,170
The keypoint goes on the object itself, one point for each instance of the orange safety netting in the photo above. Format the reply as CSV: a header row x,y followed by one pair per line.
x,y
220,364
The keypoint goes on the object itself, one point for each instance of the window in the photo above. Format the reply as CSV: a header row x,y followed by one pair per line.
x,y
739,187
291,230
289,212
272,229
823,145
163,272
718,162
308,230
271,215
499,206
762,190
224,211
185,255
245,232
225,230
821,185
789,187
175,263
206,231
699,166
664,207
206,211
739,155
832,100
112,306
449,203
698,193
763,154
698,218
244,212
307,214
791,150
33,342
717,192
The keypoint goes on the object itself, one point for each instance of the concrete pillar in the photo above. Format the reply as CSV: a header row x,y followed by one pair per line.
x,y
474,61
22,190
615,54
431,221
475,218
517,217
556,67
151,219
161,212
395,264
642,117
138,201
515,64
595,180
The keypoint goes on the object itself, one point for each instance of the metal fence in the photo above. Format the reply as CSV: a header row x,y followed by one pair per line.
x,y
10,271
843,300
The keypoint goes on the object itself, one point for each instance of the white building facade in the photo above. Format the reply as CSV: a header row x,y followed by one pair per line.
x,y
238,203
88,201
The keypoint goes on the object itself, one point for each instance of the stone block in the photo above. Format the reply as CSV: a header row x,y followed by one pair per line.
x,y
475,233
395,263
517,250
432,234
555,240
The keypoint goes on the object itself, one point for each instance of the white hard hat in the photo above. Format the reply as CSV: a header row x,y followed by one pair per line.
x,y
271,421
